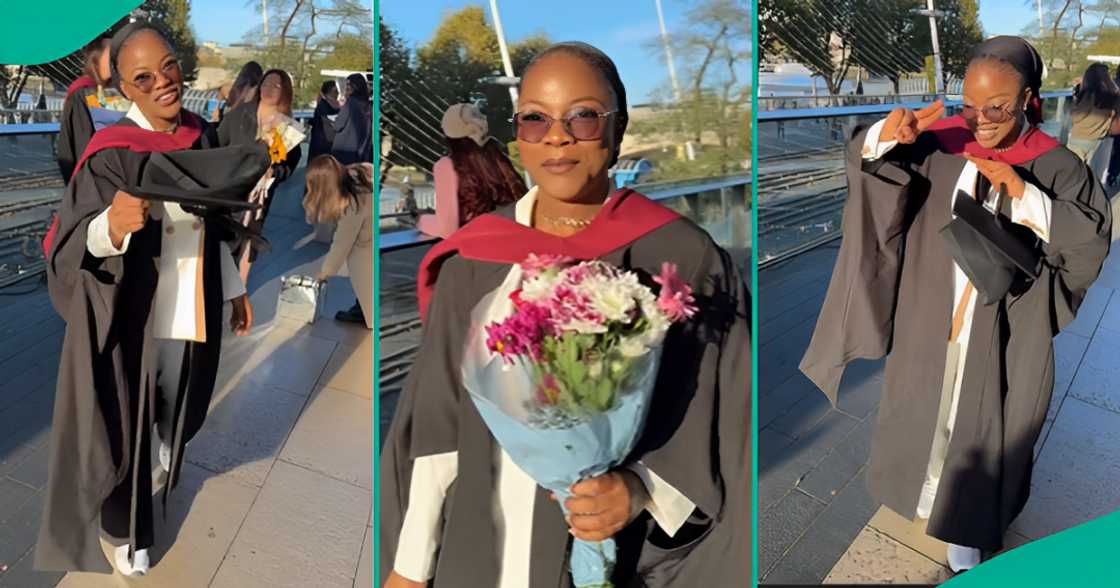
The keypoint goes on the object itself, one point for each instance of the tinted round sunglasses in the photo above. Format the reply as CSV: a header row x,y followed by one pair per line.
x,y
993,114
581,124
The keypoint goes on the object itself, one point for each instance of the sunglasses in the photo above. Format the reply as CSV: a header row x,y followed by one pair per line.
x,y
146,81
993,114
583,124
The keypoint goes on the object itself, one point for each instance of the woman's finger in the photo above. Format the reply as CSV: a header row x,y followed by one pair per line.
x,y
592,486
584,505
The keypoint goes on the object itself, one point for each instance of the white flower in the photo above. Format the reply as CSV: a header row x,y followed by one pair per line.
x,y
540,288
632,347
612,299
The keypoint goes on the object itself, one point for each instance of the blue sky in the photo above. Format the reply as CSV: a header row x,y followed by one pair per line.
x,y
620,28
1011,17
223,21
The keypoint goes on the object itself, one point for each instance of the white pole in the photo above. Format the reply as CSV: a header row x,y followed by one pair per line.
x,y
504,49
689,151
938,79
264,15
1041,31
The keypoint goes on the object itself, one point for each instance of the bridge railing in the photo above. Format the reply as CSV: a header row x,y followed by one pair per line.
x,y
802,186
721,205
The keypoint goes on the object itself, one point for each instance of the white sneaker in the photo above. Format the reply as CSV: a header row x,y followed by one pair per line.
x,y
139,565
962,558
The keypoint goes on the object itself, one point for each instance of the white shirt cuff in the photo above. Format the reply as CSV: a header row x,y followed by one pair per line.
x,y
232,286
666,505
98,241
873,148
432,475
1033,211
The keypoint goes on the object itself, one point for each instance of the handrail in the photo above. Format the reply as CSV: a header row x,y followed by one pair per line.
x,y
409,238
866,109
51,128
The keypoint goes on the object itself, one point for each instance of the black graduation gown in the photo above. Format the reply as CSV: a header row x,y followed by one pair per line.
x,y
99,465
891,294
353,139
322,130
74,131
239,127
697,435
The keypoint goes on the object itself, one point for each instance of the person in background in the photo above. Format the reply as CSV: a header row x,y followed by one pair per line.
x,y
243,124
244,87
223,98
1114,161
337,194
353,141
322,126
1095,103
76,126
476,178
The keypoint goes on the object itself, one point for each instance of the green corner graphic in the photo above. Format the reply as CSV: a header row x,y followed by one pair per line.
x,y
1082,556
34,32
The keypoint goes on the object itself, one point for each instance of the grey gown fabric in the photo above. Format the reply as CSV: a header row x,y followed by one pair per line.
x,y
697,436
99,474
891,293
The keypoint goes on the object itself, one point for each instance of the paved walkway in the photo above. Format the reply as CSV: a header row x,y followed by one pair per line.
x,y
277,487
817,521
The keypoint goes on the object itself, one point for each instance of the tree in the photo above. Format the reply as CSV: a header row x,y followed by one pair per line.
x,y
889,43
712,111
414,143
958,32
174,18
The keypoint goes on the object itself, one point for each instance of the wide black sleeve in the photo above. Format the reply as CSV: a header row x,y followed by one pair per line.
x,y
75,130
282,171
426,419
857,318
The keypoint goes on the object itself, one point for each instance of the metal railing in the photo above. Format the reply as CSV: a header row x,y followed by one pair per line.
x,y
721,205
802,183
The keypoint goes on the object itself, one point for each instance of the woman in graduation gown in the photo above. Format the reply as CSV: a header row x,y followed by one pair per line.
x,y
455,509
241,126
76,126
968,379
139,356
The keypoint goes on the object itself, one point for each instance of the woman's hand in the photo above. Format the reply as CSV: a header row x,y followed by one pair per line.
x,y
904,125
127,214
1000,175
398,581
242,320
600,507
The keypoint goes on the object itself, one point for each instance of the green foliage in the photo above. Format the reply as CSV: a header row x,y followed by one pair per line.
x,y
174,17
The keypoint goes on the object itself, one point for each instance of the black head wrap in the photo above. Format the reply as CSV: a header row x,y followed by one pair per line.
x,y
1024,58
121,38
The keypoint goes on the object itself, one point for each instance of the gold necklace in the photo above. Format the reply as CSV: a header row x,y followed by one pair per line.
x,y
578,223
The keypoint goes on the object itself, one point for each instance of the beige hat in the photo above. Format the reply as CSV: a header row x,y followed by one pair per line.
x,y
465,120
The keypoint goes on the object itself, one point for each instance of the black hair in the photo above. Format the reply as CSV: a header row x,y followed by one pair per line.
x,y
121,38
600,62
243,87
1097,87
359,88
327,87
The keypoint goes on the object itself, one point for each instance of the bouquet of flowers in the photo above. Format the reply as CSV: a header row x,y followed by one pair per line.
x,y
281,133
562,371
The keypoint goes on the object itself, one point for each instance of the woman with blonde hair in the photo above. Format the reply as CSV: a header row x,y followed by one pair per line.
x,y
337,194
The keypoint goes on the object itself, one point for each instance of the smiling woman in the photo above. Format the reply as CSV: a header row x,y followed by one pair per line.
x,y
969,359
457,508
142,377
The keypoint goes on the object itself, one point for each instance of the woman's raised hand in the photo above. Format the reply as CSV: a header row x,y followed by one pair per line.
x,y
396,580
904,125
127,214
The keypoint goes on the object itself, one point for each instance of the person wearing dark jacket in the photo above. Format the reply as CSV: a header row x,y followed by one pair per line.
x,y
322,127
353,141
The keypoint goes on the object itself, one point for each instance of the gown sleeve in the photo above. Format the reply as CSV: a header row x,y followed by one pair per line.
x,y
1080,236
857,318
423,437
706,457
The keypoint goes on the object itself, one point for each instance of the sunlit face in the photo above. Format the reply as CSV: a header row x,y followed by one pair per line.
x,y
566,168
989,86
272,90
150,76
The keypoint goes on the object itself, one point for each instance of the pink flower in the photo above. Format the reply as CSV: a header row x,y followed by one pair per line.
x,y
535,265
675,298
522,333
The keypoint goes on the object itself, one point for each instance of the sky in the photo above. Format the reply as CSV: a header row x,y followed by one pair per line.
x,y
618,27
223,21
1011,17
